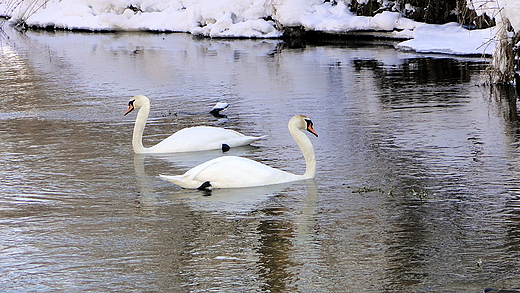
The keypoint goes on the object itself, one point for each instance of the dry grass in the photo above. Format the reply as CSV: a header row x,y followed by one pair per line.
x,y
28,8
501,69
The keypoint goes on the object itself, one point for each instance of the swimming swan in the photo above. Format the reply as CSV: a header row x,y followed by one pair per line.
x,y
236,172
199,138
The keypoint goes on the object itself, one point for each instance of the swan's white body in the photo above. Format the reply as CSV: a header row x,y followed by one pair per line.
x,y
199,138
237,172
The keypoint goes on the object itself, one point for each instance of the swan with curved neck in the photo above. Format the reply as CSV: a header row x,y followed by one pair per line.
x,y
199,138
237,172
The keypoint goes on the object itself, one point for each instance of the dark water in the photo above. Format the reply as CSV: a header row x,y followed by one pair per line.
x,y
417,179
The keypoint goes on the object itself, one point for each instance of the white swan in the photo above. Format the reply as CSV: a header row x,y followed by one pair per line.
x,y
236,172
199,138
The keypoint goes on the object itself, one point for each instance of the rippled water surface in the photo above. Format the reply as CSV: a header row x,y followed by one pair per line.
x,y
417,188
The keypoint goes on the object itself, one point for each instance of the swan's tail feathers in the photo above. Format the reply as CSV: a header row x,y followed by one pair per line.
x,y
243,140
255,138
174,179
187,182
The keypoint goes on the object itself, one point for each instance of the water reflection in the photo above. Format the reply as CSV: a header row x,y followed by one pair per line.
x,y
504,99
275,246
277,233
513,222
17,82
417,168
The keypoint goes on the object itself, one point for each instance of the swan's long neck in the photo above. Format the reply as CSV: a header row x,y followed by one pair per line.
x,y
307,150
140,122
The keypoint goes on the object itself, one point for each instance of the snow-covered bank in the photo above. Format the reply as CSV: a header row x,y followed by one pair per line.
x,y
450,38
256,19
222,18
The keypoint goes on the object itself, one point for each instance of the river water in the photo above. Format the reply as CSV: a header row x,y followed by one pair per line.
x,y
417,186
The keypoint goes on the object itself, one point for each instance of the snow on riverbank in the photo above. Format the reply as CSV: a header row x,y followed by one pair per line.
x,y
450,38
255,19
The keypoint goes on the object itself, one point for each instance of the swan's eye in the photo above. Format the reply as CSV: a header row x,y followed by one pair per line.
x,y
131,103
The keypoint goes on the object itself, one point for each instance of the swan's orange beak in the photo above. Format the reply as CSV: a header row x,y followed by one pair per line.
x,y
310,129
130,108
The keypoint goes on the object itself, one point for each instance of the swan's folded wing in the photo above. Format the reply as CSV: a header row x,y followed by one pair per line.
x,y
193,172
201,138
234,172
231,172
187,180
238,134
